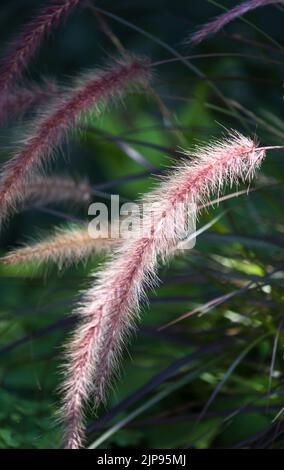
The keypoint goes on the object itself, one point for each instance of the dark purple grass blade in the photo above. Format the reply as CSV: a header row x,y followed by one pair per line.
x,y
155,382
227,375
259,435
62,323
278,432
273,357
205,308
119,139
59,214
124,180
188,417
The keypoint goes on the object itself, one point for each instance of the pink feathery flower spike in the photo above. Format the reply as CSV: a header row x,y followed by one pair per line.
x,y
108,310
25,45
220,21
45,190
48,131
66,246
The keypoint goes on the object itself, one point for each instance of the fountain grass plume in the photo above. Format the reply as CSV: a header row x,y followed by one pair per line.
x,y
213,26
66,246
15,104
47,132
43,190
28,41
109,309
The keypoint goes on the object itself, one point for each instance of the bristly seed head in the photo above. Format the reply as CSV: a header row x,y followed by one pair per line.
x,y
109,309
212,27
47,133
29,39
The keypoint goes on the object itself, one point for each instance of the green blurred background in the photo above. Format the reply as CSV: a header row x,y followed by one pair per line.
x,y
214,379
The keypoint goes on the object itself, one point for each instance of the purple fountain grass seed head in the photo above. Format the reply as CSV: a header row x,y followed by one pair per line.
x,y
57,189
14,104
65,247
48,131
212,27
25,45
110,308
